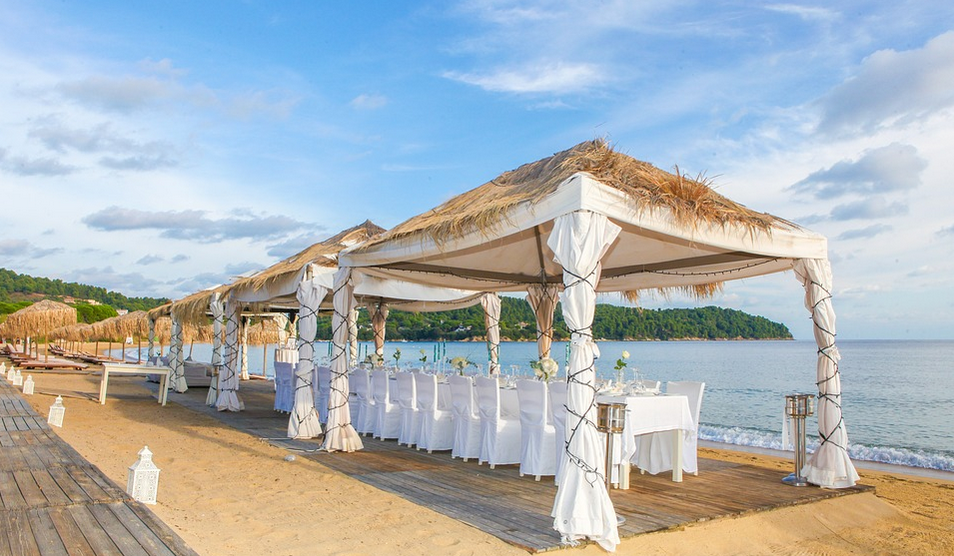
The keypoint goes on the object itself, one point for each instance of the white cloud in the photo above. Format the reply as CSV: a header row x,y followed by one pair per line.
x,y
544,77
892,87
808,13
150,259
865,233
119,94
42,166
896,167
368,102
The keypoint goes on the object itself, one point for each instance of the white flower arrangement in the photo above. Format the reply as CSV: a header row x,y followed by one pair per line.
x,y
376,360
460,363
545,369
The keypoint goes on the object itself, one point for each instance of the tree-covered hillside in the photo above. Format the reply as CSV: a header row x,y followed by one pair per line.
x,y
611,322
19,290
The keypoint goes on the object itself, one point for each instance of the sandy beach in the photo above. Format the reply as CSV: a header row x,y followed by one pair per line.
x,y
228,493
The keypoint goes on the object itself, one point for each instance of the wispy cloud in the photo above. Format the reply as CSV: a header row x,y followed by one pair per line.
x,y
294,245
21,248
944,232
42,166
555,77
865,233
869,208
896,167
368,102
132,283
150,259
195,225
116,94
892,87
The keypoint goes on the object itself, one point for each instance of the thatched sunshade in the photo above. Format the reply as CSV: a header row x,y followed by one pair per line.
x,y
78,332
39,319
678,233
278,283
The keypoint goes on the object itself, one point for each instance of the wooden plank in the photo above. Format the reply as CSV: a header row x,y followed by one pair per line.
x,y
146,537
93,532
64,480
163,531
29,489
70,533
10,492
51,490
117,532
19,533
47,538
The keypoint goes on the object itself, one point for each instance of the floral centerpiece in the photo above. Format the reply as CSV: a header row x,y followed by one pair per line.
x,y
397,357
376,360
621,366
460,363
423,358
545,369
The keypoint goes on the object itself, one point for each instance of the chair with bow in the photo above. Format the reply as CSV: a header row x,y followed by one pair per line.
x,y
407,401
364,413
537,434
387,422
466,420
499,436
436,423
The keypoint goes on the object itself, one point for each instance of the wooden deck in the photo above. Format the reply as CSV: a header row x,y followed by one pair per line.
x,y
517,509
54,502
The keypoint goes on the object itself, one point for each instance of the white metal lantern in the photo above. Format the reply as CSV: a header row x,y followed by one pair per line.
x,y
18,378
11,373
143,481
56,413
28,385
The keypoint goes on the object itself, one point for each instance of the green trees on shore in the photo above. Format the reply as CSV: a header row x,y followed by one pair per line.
x,y
611,322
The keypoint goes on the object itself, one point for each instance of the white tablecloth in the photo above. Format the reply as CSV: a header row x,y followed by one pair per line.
x,y
648,413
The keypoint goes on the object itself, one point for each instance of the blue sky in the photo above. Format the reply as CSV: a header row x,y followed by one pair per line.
x,y
160,148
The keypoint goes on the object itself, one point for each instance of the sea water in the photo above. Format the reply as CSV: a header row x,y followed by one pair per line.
x,y
897,396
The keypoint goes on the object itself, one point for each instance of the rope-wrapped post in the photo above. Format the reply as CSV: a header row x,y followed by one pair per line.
x,y
217,309
339,433
829,466
177,379
151,323
304,421
543,299
491,304
245,322
582,508
229,376
379,322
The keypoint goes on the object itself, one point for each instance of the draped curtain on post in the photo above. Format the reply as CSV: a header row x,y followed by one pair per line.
x,y
151,323
379,321
582,508
339,434
353,335
303,421
177,379
491,304
543,300
830,465
218,316
246,321
229,375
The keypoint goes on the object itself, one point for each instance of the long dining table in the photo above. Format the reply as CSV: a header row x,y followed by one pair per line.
x,y
648,413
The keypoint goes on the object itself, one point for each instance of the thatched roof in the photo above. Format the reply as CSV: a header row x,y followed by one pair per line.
x,y
264,332
194,308
324,253
689,200
74,332
39,318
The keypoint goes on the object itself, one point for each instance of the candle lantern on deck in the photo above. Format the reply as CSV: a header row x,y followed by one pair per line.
x,y
143,481
11,372
28,385
57,410
797,408
610,418
18,378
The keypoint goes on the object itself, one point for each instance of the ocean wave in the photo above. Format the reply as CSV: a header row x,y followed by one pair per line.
x,y
740,436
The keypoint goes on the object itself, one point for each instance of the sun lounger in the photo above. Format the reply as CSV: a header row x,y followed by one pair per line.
x,y
52,364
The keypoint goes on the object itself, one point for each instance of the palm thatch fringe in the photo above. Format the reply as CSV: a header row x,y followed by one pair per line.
x,y
324,253
40,318
690,201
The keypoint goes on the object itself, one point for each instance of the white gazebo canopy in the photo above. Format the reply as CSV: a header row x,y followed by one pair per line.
x,y
590,220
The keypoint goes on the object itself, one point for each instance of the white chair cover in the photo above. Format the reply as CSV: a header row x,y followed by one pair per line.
x,y
654,450
407,401
387,423
466,421
284,387
436,423
365,413
499,436
557,391
322,392
537,434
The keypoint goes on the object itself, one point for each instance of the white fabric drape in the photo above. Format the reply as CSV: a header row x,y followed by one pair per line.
x,y
543,301
303,421
245,324
217,308
228,399
379,321
582,508
177,379
353,335
491,304
151,354
339,434
830,465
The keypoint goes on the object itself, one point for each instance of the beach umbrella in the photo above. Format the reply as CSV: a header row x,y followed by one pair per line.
x,y
40,319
